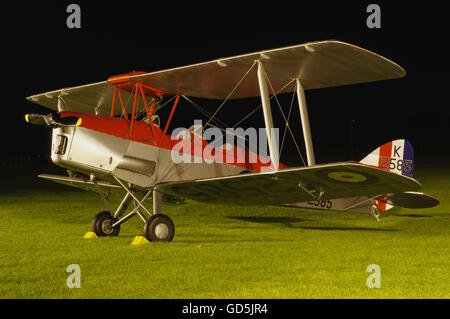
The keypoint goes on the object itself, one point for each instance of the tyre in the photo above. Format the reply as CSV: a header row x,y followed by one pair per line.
x,y
102,224
159,228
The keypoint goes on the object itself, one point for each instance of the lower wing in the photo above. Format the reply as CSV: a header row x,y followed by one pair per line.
x,y
338,180
102,188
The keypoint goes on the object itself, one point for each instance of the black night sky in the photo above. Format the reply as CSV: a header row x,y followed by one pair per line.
x,y
42,54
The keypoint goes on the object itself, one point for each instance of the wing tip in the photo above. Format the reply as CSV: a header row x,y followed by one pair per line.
x,y
401,72
32,98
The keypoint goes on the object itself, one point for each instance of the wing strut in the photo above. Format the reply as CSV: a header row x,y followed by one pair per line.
x,y
268,121
305,123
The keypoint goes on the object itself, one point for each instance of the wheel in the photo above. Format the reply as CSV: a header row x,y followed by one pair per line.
x,y
159,227
102,224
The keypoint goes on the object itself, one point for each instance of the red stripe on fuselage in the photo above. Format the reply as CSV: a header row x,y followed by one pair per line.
x,y
142,133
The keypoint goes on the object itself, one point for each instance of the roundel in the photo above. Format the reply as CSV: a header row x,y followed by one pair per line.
x,y
346,176
349,177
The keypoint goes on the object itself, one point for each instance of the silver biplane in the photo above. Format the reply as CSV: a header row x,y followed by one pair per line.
x,y
109,138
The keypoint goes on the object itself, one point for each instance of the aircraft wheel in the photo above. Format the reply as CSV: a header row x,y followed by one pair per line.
x,y
102,224
159,227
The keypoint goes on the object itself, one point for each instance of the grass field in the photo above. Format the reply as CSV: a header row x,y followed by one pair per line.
x,y
221,251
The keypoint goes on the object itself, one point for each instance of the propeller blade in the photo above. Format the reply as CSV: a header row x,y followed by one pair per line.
x,y
38,119
53,120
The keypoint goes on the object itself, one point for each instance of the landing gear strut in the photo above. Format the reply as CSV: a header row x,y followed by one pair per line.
x,y
158,227
375,212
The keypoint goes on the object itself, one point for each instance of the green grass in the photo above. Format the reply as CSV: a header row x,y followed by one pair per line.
x,y
220,251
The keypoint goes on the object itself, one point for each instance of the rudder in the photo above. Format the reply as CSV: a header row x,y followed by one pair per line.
x,y
395,156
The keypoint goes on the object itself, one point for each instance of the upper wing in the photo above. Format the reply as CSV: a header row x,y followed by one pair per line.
x,y
317,65
295,185
89,98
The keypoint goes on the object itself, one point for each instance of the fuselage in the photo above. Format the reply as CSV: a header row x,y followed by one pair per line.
x,y
103,145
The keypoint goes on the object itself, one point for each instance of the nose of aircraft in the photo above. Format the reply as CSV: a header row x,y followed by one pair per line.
x,y
38,119
52,120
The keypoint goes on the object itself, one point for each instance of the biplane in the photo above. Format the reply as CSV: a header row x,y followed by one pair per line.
x,y
110,139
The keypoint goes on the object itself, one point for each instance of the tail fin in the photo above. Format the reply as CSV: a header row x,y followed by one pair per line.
x,y
396,157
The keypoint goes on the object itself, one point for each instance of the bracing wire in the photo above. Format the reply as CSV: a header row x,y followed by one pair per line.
x,y
288,118
230,94
205,112
285,120
260,105
213,119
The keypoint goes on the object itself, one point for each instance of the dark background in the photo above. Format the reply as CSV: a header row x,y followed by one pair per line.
x,y
42,54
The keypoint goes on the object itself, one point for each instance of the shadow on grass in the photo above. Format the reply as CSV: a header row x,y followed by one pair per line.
x,y
413,216
227,240
287,221
347,228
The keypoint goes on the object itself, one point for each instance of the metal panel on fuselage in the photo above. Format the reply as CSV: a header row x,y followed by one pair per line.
x,y
96,149
87,151
167,170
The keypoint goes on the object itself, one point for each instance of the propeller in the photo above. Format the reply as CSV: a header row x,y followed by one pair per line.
x,y
52,120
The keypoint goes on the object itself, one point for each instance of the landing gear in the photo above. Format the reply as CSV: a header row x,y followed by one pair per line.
x,y
102,224
159,227
375,212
